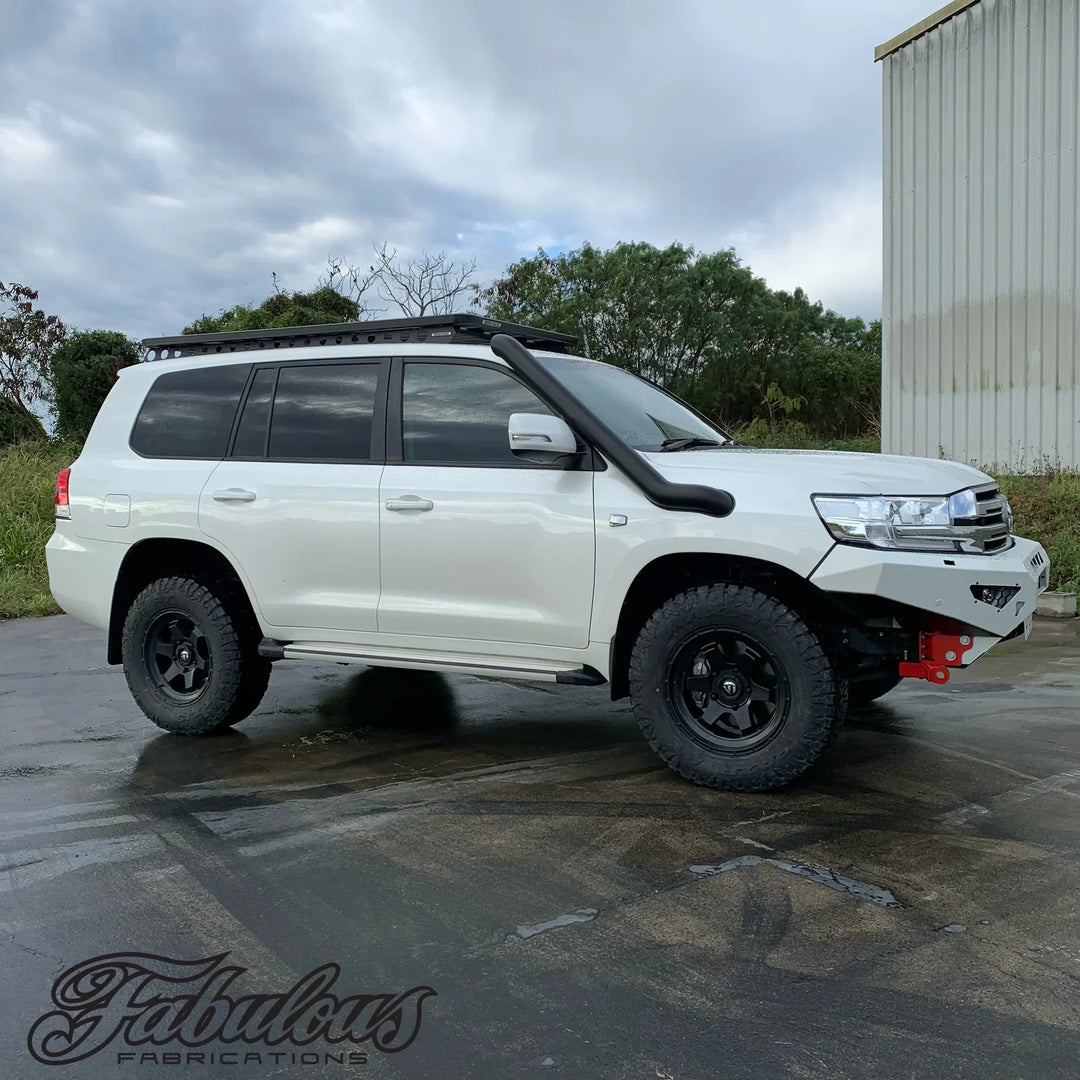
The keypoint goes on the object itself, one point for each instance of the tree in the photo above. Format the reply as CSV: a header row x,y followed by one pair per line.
x,y
426,284
18,424
27,339
324,304
704,327
659,313
84,368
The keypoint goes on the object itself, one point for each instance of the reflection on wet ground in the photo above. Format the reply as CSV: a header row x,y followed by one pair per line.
x,y
908,908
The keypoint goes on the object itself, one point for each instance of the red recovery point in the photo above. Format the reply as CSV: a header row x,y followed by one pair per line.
x,y
937,653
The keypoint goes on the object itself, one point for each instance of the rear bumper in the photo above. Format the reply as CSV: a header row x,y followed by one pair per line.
x,y
83,573
941,586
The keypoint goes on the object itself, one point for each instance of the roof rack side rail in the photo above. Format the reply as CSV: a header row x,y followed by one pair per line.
x,y
460,329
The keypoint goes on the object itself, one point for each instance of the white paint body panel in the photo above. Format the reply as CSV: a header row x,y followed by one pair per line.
x,y
309,540
927,582
519,566
82,573
503,555
780,481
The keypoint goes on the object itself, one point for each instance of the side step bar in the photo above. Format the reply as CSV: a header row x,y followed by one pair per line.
x,y
422,660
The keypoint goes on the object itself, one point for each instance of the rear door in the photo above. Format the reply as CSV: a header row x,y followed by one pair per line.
x,y
479,544
295,504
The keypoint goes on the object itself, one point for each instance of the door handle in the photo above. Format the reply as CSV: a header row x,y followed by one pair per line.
x,y
234,495
409,502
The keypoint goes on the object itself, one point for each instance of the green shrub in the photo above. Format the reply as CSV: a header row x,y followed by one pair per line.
x,y
18,424
1047,509
84,369
794,435
27,487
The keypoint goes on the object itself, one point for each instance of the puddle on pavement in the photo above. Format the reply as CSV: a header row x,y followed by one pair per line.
x,y
821,875
982,688
386,698
581,915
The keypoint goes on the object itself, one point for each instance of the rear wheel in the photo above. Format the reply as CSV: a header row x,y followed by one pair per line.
x,y
733,689
191,656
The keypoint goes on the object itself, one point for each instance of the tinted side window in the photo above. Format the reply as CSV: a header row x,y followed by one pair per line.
x,y
324,411
454,413
189,414
251,432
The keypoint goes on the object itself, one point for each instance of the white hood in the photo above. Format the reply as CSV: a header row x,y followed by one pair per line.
x,y
824,471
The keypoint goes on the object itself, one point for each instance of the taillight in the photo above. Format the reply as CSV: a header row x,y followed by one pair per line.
x,y
63,509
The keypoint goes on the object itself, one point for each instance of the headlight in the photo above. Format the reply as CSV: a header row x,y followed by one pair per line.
x,y
910,523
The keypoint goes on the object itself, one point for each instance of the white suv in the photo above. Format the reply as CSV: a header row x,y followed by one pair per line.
x,y
458,494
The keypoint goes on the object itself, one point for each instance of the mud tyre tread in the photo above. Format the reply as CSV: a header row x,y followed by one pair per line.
x,y
817,700
239,676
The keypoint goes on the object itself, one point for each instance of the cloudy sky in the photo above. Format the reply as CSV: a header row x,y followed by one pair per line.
x,y
162,158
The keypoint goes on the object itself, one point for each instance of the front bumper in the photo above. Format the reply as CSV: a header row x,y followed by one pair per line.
x,y
941,585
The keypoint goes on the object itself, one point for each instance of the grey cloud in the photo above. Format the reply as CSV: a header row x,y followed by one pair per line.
x,y
162,159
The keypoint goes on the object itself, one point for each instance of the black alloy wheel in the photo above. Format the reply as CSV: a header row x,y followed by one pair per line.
x,y
728,690
177,657
733,688
190,651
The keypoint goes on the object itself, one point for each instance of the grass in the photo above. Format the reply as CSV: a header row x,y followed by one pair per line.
x,y
1046,508
27,484
794,436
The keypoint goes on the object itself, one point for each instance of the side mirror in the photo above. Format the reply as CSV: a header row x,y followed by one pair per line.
x,y
538,431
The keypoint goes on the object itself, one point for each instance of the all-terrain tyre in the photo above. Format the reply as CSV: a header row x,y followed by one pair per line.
x,y
863,691
733,689
190,654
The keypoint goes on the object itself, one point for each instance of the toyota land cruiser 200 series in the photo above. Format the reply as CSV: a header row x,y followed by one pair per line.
x,y
458,494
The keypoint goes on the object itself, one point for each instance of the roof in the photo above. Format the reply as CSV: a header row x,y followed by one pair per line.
x,y
920,28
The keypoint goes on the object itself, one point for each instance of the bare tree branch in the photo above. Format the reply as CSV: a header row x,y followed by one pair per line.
x,y
349,281
426,284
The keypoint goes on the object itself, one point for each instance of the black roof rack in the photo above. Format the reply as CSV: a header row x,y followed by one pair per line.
x,y
431,329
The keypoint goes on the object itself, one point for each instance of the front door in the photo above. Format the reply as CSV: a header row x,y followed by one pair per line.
x,y
295,504
478,544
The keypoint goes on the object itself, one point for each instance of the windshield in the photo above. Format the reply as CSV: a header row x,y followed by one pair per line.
x,y
641,414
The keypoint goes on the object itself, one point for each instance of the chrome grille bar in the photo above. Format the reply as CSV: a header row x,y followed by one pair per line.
x,y
990,530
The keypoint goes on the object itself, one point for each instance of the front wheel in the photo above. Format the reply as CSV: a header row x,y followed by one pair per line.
x,y
190,657
733,689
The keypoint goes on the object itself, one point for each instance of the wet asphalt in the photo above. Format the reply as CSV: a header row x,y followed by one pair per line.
x,y
909,909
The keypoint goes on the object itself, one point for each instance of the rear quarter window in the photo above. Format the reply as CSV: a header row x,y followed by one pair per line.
x,y
189,414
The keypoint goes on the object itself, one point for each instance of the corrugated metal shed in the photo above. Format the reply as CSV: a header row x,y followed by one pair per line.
x,y
981,311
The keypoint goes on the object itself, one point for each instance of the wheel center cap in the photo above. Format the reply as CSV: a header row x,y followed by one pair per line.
x,y
185,655
730,690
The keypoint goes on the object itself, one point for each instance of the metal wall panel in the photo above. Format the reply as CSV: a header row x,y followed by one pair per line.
x,y
982,238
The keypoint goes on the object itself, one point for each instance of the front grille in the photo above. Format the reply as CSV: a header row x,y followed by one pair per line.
x,y
989,528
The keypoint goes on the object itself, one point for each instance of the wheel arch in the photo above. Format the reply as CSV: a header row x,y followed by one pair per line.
x,y
667,575
160,557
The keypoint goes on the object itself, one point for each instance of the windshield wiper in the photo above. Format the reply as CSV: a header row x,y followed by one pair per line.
x,y
687,442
